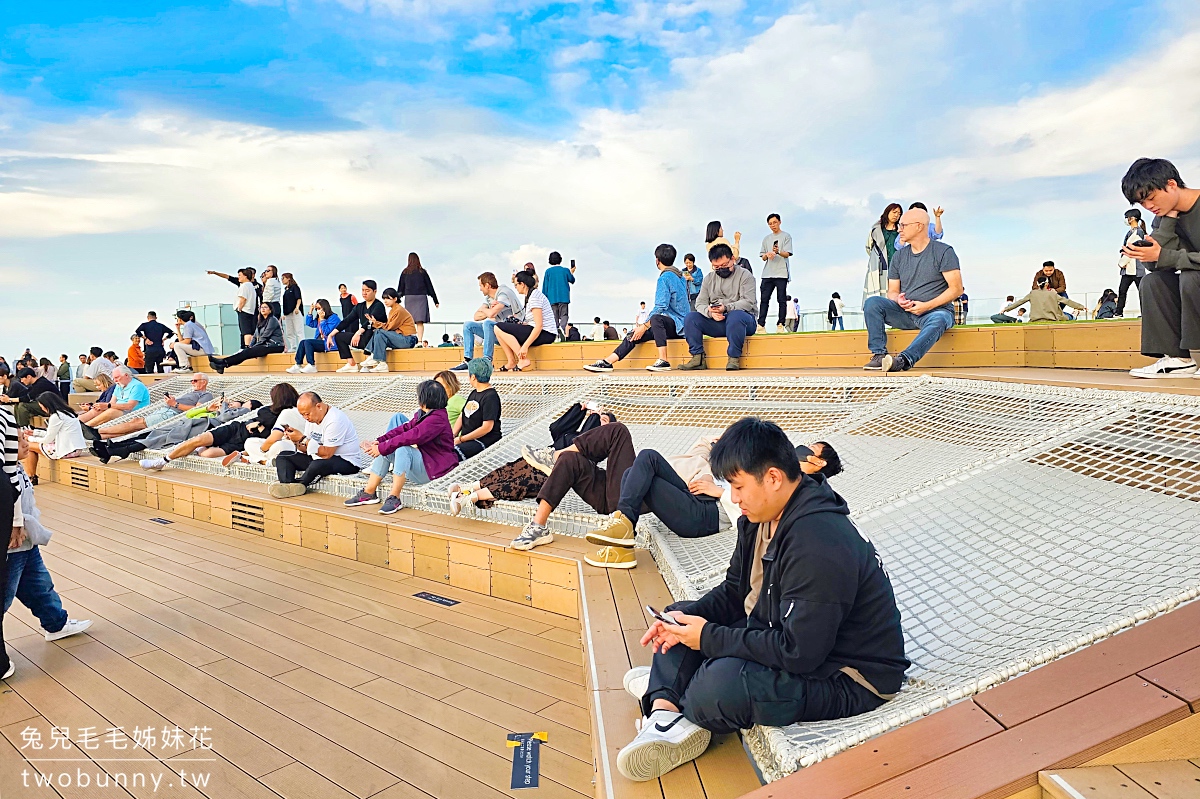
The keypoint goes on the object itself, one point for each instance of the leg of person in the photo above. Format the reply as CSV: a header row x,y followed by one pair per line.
x,y
82,384
1189,296
303,352
1162,327
841,323
1123,292
288,465
933,326
781,299
36,592
409,466
663,329
378,470
878,312
1002,319
506,337
246,353
342,339
134,425
765,287
738,325
106,450
7,499
470,330
571,469
667,738
611,443
325,467
205,439
649,476
695,327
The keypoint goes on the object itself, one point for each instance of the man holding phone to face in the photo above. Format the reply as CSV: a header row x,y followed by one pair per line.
x,y
1170,290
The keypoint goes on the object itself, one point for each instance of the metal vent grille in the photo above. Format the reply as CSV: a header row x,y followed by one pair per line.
x,y
79,477
247,516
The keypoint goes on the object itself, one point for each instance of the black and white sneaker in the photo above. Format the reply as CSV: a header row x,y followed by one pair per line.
x,y
659,366
665,741
462,367
10,671
1166,367
599,366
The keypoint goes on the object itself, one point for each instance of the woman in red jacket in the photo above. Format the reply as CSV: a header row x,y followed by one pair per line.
x,y
419,450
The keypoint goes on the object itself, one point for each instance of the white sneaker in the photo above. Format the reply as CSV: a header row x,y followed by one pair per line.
x,y
350,367
378,368
637,681
1166,367
368,363
12,668
666,740
308,369
153,464
294,369
780,329
72,627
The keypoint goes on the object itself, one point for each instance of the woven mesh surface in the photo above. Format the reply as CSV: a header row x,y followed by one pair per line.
x,y
1018,522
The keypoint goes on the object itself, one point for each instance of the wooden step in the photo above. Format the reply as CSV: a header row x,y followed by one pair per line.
x,y
1170,779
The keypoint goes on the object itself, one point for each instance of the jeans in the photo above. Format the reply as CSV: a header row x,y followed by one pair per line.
x,y
160,416
385,339
735,326
881,311
306,350
778,285
653,484
311,469
406,461
1003,319
29,581
485,330
838,323
727,694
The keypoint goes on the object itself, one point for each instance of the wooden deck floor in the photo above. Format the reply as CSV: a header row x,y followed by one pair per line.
x,y
315,676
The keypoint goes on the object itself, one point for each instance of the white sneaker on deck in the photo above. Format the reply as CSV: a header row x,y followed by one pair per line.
x,y
1166,367
153,464
665,741
637,681
368,363
378,368
12,669
308,369
294,369
72,627
350,367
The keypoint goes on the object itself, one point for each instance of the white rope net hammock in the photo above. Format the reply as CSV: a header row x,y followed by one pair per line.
x,y
1018,522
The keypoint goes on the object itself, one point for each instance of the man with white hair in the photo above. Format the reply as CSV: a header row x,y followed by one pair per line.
x,y
172,407
923,280
131,394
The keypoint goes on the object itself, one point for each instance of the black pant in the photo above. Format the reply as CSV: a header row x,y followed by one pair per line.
x,y
728,694
469,449
1123,290
246,323
8,498
521,332
287,464
661,327
125,447
276,310
652,484
154,358
1170,313
254,351
766,286
342,339
600,488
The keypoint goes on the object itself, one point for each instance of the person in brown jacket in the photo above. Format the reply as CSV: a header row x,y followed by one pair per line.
x,y
399,332
1058,281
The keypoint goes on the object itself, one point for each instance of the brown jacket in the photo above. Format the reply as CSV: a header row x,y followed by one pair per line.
x,y
1058,281
400,321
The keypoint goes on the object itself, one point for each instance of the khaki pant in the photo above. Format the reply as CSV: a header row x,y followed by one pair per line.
x,y
185,351
82,384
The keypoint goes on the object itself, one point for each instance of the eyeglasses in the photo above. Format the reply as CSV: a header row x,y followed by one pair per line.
x,y
197,380
907,224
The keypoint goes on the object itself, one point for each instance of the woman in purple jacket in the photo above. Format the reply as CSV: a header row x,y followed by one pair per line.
x,y
420,450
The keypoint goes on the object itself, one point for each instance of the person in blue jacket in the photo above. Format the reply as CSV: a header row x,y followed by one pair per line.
x,y
556,285
665,318
325,321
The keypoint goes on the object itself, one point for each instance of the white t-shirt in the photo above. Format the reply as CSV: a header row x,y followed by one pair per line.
x,y
642,317
336,430
536,299
838,305
791,311
247,291
290,417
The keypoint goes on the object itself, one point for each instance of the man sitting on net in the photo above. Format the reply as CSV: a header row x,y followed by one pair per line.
x,y
682,492
804,627
923,282
172,407
131,395
328,445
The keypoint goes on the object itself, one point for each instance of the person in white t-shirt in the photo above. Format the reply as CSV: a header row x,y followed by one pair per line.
x,y
791,319
597,330
328,445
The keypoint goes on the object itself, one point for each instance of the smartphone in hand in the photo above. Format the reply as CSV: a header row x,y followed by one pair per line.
x,y
665,619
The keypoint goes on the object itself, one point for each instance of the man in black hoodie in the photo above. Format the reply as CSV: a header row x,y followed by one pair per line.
x,y
355,329
804,628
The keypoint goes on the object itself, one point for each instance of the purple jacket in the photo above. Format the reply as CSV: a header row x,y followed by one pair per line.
x,y
432,436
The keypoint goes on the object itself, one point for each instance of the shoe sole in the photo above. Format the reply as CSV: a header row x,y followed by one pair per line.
x,y
653,759
375,501
58,636
12,669
686,368
387,512
155,468
602,540
231,458
666,368
541,467
607,565
546,539
1165,375
287,490
636,673
873,368
592,368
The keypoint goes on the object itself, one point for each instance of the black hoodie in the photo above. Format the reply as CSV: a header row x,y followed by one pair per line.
x,y
826,602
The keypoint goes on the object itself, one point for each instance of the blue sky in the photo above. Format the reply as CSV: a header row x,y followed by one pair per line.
x,y
333,137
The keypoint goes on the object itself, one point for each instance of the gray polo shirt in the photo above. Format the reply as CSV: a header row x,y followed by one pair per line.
x,y
777,267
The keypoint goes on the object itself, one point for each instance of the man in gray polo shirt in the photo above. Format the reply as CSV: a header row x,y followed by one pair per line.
x,y
923,281
172,407
776,250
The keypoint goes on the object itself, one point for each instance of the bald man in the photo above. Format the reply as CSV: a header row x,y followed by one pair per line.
x,y
923,280
172,407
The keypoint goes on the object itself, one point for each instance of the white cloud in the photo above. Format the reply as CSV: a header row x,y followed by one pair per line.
x,y
500,40
588,51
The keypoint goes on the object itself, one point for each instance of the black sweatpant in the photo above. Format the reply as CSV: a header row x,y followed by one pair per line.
x,y
600,488
766,286
1123,290
728,694
1170,313
652,485
255,351
342,339
155,355
311,469
126,446
661,327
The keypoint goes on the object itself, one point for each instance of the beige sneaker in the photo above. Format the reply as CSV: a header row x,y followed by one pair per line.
x,y
612,558
286,490
618,532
